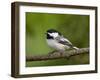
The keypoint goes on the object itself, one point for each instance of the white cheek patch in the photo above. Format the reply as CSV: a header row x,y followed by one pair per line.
x,y
53,34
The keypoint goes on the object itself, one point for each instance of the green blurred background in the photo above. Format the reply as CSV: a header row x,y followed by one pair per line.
x,y
73,27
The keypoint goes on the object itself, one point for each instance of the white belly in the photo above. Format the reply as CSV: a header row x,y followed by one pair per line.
x,y
55,45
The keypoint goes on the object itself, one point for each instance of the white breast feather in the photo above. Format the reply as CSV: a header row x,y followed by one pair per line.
x,y
54,44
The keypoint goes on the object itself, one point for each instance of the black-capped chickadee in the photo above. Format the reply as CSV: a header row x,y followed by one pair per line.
x,y
56,40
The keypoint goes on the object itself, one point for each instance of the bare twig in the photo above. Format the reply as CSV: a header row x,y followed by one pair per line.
x,y
57,55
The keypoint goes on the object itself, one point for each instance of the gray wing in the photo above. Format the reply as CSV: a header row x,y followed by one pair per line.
x,y
63,41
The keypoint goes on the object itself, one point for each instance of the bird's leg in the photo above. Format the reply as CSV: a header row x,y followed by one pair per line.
x,y
61,53
50,53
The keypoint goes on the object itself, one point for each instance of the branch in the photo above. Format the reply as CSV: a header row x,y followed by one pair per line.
x,y
57,55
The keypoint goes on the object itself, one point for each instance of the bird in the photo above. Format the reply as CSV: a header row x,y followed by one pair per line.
x,y
57,41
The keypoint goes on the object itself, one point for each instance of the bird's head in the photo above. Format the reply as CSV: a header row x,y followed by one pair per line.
x,y
52,33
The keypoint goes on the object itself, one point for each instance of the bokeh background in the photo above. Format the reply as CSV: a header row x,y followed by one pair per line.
x,y
74,27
